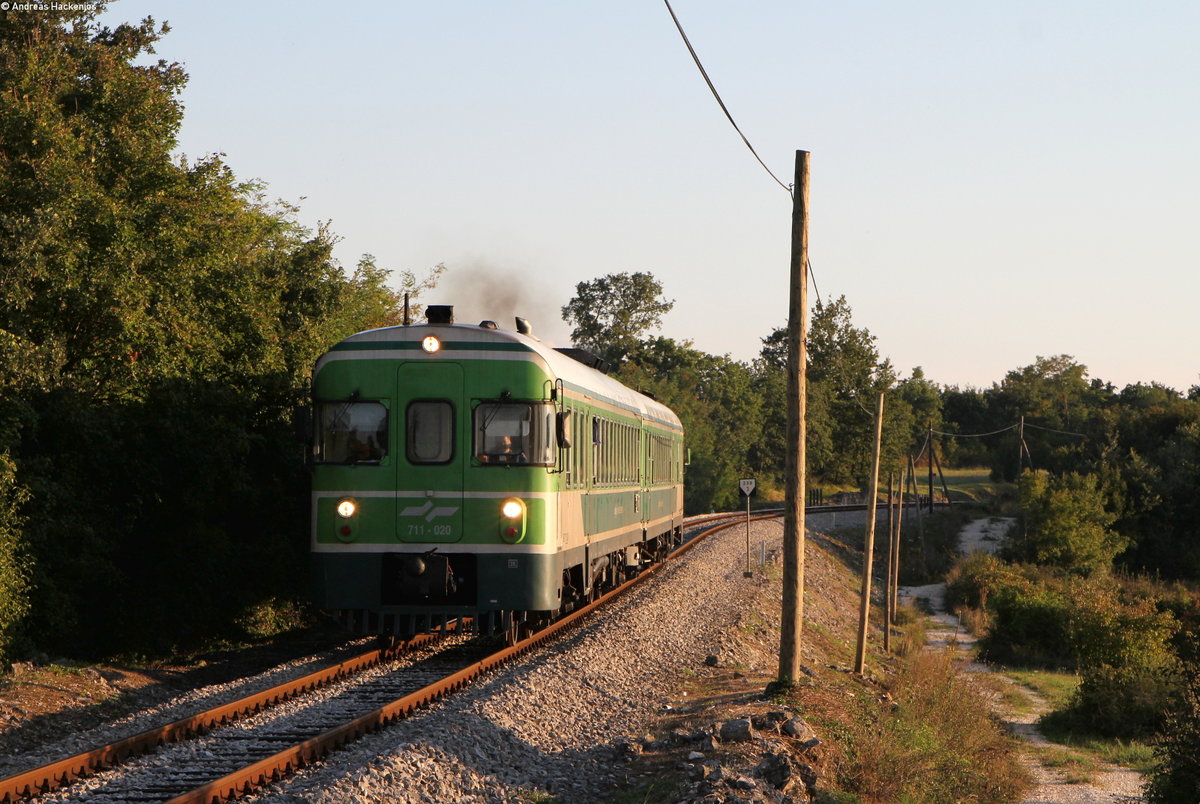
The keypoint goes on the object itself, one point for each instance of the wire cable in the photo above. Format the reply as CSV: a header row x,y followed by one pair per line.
x,y
924,446
716,95
1051,430
977,435
813,276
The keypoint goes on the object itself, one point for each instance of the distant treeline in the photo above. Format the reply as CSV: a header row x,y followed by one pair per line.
x,y
1132,453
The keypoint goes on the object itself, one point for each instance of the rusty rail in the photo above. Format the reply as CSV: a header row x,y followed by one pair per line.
x,y
273,768
47,778
55,775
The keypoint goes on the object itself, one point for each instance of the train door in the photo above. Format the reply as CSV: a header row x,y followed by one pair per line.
x,y
646,458
433,452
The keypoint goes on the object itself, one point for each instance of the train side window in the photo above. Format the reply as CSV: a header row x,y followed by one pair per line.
x,y
351,432
430,431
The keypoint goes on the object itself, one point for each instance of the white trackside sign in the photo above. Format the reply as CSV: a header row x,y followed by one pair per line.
x,y
747,486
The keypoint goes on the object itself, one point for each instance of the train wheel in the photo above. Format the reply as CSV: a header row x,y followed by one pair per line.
x,y
510,629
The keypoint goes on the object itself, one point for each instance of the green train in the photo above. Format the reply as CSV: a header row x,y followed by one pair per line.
x,y
471,474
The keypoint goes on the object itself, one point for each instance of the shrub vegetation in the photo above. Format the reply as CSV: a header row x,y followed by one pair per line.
x,y
938,744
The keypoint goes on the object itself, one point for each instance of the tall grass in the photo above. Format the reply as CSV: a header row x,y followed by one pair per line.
x,y
934,742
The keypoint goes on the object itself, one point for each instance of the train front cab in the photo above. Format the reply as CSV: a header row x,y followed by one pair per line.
x,y
443,473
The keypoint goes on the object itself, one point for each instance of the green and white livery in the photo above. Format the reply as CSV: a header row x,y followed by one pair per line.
x,y
468,471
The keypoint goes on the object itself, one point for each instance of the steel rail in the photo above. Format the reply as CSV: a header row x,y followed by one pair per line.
x,y
287,761
54,775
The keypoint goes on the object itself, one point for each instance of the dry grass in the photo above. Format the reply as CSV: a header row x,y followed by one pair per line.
x,y
929,738
976,621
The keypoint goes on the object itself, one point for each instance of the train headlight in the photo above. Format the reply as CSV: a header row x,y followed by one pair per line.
x,y
347,509
512,520
430,344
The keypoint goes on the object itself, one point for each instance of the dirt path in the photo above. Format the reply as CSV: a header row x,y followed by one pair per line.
x,y
1113,785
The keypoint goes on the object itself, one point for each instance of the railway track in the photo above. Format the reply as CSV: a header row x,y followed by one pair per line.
x,y
235,748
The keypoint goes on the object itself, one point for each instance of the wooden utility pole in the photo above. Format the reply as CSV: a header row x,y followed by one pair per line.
x,y
898,525
916,487
888,615
864,608
930,442
942,477
1022,450
797,374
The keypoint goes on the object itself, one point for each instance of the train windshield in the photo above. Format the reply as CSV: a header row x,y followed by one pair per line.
x,y
514,433
351,432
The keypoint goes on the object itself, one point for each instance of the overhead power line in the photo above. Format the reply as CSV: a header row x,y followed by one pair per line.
x,y
924,447
1005,430
732,122
1051,430
975,435
717,95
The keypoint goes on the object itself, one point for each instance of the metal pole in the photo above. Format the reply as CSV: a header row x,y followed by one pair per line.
x,y
749,572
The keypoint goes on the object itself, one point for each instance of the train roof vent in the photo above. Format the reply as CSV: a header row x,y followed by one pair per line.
x,y
440,314
585,357
486,324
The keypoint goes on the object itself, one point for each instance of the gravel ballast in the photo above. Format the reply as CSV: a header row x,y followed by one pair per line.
x,y
546,724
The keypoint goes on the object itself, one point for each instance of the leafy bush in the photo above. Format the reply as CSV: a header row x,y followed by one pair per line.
x,y
14,588
1125,702
1109,631
1177,779
1030,625
1122,648
972,580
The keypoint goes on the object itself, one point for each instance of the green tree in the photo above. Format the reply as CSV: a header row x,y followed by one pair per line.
x,y
1057,401
611,314
1066,524
845,368
14,583
721,414
845,377
965,410
158,320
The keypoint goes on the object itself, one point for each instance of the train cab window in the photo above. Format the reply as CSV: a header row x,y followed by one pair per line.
x,y
514,433
351,432
430,432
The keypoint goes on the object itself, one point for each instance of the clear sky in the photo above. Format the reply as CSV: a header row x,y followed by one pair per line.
x,y
990,181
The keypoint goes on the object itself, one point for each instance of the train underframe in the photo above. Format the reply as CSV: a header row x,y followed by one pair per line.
x,y
490,594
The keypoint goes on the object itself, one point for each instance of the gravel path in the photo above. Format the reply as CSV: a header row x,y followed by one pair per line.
x,y
1113,786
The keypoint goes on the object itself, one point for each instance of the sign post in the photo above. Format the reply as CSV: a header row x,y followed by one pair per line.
x,y
747,487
